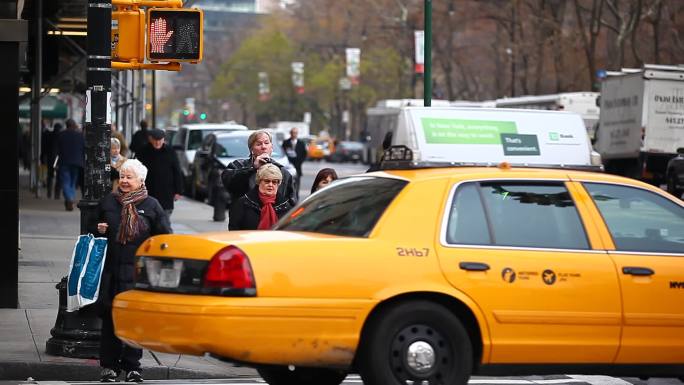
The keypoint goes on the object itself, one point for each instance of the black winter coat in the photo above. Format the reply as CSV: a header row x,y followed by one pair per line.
x,y
246,212
164,178
240,177
119,271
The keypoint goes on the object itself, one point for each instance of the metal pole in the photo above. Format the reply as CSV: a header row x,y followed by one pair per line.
x,y
154,99
36,116
143,95
427,88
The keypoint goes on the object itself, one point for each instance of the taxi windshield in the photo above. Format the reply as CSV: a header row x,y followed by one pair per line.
x,y
348,207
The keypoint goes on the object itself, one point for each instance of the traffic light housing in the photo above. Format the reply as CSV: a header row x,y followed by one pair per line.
x,y
128,35
174,35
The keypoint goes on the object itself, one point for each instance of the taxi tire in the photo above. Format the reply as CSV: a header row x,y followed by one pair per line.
x,y
380,357
282,375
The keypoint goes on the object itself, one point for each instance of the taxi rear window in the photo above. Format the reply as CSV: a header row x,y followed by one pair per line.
x,y
348,207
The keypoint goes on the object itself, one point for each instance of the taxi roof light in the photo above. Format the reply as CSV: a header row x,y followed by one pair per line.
x,y
229,270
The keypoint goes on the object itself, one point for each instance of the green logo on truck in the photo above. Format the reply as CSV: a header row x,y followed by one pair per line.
x,y
461,131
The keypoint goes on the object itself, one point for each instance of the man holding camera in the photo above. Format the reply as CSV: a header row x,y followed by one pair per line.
x,y
240,175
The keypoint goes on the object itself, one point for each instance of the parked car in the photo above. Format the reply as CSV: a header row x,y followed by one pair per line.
x,y
675,174
217,150
189,138
348,151
429,274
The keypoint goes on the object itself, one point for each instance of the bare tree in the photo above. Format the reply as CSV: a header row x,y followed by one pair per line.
x,y
589,34
625,23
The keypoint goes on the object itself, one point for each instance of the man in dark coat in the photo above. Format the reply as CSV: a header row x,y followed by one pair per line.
x,y
296,153
70,149
164,179
139,139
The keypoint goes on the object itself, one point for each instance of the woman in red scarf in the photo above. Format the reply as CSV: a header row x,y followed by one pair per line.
x,y
262,206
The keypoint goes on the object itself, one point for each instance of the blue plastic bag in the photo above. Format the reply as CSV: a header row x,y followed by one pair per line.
x,y
85,271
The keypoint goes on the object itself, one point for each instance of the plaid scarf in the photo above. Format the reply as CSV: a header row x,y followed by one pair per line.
x,y
131,225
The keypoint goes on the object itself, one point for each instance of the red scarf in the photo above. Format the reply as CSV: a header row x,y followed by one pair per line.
x,y
268,215
131,224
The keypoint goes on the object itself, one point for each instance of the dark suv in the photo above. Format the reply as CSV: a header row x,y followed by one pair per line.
x,y
675,174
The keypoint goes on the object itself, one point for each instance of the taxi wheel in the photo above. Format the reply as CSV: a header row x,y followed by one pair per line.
x,y
416,342
282,375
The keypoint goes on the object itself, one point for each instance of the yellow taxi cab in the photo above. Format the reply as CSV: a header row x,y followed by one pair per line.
x,y
319,149
429,274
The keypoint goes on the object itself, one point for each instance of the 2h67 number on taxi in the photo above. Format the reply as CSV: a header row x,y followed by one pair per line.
x,y
429,272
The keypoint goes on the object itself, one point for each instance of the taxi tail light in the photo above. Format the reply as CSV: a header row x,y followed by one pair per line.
x,y
230,271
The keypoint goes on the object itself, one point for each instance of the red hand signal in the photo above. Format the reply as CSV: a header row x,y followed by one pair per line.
x,y
158,35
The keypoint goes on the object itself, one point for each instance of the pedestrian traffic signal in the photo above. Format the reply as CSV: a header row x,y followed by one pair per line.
x,y
174,35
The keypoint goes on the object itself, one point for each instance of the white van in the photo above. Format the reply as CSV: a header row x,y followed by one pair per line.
x,y
494,135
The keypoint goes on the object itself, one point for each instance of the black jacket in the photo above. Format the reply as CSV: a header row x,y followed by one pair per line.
x,y
119,270
164,178
246,212
299,149
240,177
138,141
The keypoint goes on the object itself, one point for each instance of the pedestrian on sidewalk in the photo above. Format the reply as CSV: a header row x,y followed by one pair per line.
x,y
117,160
164,180
48,148
261,207
70,149
128,217
139,139
119,135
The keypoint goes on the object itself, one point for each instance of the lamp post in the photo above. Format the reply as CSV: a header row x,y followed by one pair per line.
x,y
77,334
427,88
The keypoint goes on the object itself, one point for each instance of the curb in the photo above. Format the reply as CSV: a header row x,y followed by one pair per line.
x,y
47,371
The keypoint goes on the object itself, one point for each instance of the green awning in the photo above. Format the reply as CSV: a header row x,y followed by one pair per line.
x,y
50,106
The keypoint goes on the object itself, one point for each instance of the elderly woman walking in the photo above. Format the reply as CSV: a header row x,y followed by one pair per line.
x,y
128,216
262,206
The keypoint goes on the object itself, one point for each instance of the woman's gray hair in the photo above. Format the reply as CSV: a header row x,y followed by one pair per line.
x,y
255,135
136,166
116,143
268,171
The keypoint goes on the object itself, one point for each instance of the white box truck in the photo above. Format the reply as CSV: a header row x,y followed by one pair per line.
x,y
641,121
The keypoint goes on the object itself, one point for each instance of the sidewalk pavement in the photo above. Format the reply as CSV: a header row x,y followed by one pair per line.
x,y
47,237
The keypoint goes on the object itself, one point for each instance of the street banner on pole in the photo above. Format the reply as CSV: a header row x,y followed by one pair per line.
x,y
420,51
354,65
264,89
298,76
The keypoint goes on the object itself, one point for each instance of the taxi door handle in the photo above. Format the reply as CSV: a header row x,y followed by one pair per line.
x,y
473,266
642,271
